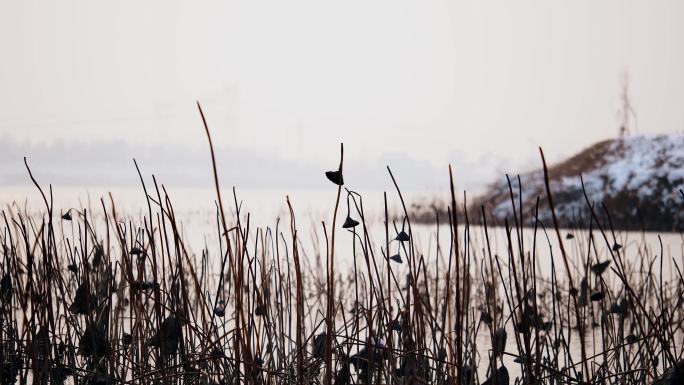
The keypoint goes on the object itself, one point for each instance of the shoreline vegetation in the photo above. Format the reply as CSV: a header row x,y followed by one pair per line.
x,y
127,301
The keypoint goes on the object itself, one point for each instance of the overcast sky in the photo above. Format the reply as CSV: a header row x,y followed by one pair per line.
x,y
433,81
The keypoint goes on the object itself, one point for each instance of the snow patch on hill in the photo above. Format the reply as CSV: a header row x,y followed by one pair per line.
x,y
637,177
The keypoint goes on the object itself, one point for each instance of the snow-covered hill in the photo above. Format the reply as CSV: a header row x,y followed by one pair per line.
x,y
637,179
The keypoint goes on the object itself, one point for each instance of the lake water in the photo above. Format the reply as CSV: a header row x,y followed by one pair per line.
x,y
196,210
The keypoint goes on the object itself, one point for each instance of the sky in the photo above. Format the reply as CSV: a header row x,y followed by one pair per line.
x,y
480,84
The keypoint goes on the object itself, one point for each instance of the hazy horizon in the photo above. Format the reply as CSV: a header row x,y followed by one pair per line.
x,y
111,163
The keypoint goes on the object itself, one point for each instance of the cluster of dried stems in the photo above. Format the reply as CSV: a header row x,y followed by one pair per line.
x,y
124,300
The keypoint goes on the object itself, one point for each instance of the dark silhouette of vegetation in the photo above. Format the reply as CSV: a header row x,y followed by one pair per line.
x,y
101,299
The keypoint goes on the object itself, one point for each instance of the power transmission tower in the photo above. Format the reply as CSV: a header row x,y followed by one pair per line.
x,y
626,113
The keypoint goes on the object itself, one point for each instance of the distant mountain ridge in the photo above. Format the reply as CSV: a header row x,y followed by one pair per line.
x,y
637,178
108,163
